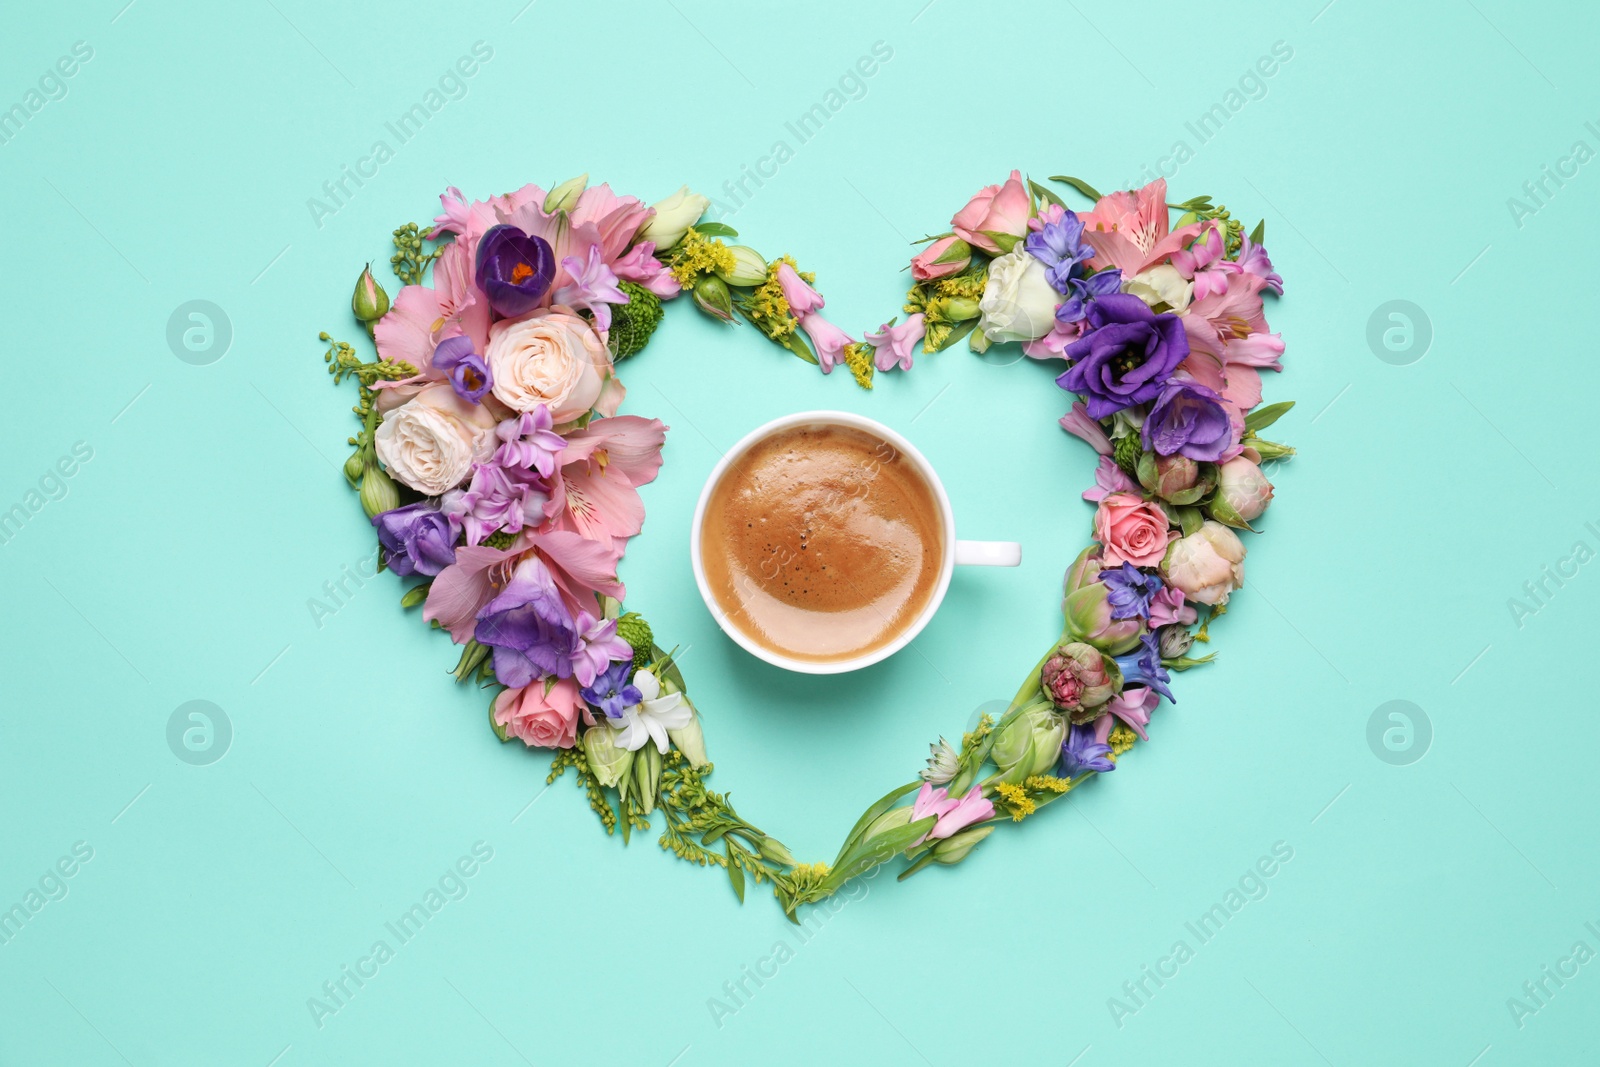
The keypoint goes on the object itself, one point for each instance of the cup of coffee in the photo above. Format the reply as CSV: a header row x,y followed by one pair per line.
x,y
823,542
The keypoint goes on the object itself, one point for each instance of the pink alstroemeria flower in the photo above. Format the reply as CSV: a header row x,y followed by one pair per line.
x,y
828,339
595,491
1228,342
1078,423
1129,230
1203,263
1108,479
895,344
581,568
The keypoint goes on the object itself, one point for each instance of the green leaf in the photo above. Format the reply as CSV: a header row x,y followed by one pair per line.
x,y
795,343
957,334
1183,663
714,835
415,595
1259,234
736,876
877,809
1261,418
1190,519
715,229
499,731
668,667
933,237
922,861
1045,194
866,855
1077,183
1006,241
626,824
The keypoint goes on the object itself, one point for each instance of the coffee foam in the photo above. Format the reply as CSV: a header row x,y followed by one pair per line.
x,y
822,542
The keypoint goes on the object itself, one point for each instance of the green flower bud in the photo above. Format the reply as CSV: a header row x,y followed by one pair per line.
x,y
354,468
748,267
892,819
711,295
633,323
564,197
954,848
633,629
1030,743
689,740
647,776
1126,451
608,761
772,850
378,491
960,309
370,302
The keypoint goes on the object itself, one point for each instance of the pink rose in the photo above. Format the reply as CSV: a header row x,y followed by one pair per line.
x,y
541,714
995,209
1207,565
1132,529
947,255
1243,492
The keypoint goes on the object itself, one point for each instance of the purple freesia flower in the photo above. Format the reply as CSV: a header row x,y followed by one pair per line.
x,y
497,498
1127,356
416,539
1080,753
1188,419
1131,591
534,635
1253,259
593,287
611,691
469,374
514,269
1143,666
528,441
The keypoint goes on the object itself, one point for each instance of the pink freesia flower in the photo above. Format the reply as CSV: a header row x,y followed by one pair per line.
x,y
1203,263
1168,607
931,800
828,339
595,492
953,815
941,259
1108,479
1133,706
640,265
1002,209
1129,230
1103,727
801,297
895,344
1228,342
1078,423
593,286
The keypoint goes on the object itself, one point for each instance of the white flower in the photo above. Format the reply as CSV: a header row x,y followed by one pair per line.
x,y
553,358
1018,303
1161,283
652,717
943,764
430,442
672,218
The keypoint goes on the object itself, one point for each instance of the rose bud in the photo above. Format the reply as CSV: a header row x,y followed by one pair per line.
x,y
1207,565
564,197
748,267
369,302
1029,744
1177,479
946,256
1078,679
1243,493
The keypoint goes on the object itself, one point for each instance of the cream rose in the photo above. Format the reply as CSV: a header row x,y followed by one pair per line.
x,y
1207,565
1018,303
553,358
1161,283
430,442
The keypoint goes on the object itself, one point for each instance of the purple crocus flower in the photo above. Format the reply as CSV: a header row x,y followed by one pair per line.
x,y
611,691
416,539
1143,666
534,635
1127,356
514,269
1188,419
1131,591
469,374
1080,753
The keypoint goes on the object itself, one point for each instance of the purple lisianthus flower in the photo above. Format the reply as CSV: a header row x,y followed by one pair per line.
x,y
534,635
469,374
1127,356
1131,591
416,539
1188,419
1080,753
1143,666
611,691
514,269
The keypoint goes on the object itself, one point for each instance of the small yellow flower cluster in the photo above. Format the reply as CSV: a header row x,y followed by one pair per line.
x,y
858,357
697,254
973,739
1016,798
1039,783
767,307
1122,739
808,875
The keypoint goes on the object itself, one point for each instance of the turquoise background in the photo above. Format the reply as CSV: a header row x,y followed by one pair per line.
x,y
180,562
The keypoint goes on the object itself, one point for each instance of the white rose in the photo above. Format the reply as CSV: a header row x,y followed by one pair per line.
x,y
1207,565
430,442
1161,283
553,358
673,216
1018,303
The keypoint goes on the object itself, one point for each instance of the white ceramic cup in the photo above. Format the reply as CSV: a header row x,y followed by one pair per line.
x,y
952,551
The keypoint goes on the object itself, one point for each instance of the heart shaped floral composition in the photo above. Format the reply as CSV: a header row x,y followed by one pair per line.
x,y
500,478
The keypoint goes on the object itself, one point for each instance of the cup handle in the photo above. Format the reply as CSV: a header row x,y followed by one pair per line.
x,y
988,554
